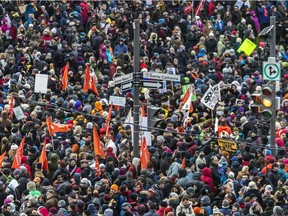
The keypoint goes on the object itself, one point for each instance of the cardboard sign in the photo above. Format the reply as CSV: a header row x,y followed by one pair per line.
x,y
18,113
41,82
118,101
227,145
247,47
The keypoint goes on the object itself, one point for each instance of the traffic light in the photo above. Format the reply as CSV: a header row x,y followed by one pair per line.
x,y
152,118
267,100
256,105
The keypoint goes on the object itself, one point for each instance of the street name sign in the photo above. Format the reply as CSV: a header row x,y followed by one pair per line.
x,y
162,76
121,79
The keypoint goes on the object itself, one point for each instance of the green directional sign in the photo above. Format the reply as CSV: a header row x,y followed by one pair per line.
x,y
271,71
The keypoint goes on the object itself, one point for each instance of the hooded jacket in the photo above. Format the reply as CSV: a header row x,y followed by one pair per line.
x,y
207,178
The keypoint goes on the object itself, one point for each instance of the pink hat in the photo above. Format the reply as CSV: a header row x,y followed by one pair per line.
x,y
262,44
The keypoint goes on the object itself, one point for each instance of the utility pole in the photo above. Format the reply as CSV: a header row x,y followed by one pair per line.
x,y
273,84
136,81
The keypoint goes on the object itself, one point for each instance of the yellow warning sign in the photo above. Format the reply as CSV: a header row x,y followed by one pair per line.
x,y
247,47
227,145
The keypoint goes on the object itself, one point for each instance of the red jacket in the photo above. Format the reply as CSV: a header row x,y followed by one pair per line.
x,y
161,211
207,178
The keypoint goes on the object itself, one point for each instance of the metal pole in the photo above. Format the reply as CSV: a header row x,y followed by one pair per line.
x,y
273,119
136,103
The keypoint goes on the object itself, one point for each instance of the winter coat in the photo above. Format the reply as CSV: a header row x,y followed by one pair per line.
x,y
187,210
207,178
51,202
273,177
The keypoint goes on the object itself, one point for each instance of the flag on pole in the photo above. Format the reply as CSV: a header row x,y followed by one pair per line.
x,y
183,164
2,157
143,113
108,118
86,84
56,128
200,7
43,158
216,125
19,154
144,154
93,86
65,77
12,102
48,122
186,96
188,103
98,150
97,165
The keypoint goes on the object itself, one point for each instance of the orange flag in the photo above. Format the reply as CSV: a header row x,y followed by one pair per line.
x,y
93,86
191,108
144,154
43,158
143,114
108,118
48,122
186,96
117,107
56,128
86,85
65,77
12,101
19,154
98,150
2,157
97,166
183,164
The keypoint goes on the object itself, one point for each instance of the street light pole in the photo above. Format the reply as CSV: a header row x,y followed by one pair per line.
x,y
136,82
273,84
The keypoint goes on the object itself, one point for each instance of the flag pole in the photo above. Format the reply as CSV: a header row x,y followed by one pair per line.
x,y
52,142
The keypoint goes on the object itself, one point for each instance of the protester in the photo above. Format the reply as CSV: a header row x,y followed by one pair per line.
x,y
67,150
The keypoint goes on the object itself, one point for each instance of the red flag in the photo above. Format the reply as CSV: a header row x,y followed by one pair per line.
x,y
43,158
183,164
2,157
186,96
144,154
188,9
200,7
19,154
97,165
98,150
93,86
12,101
65,77
86,85
108,118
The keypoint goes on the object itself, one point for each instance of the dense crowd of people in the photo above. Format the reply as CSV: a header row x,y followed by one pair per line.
x,y
190,171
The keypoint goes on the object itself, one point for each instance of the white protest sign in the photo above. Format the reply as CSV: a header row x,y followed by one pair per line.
x,y
209,99
118,101
41,82
18,113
